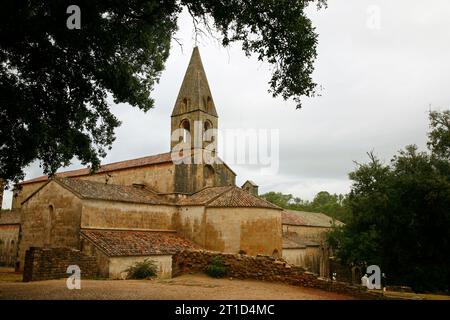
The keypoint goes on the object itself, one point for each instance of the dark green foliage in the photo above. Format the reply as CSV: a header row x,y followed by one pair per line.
x,y
332,205
401,215
439,136
216,268
54,82
142,270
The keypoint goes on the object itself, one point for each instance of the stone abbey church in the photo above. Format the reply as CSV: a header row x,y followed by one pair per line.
x,y
152,207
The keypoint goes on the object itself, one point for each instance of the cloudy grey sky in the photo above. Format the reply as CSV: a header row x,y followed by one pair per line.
x,y
382,65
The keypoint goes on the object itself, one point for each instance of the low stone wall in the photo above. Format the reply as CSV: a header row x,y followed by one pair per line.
x,y
264,268
52,263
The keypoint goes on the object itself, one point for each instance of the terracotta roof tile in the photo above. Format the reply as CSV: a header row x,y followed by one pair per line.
x,y
312,219
228,196
112,192
149,160
236,197
292,244
293,241
137,243
203,196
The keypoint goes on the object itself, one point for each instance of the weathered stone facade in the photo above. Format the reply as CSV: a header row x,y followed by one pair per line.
x,y
250,187
264,268
164,177
51,218
9,237
52,263
304,240
197,200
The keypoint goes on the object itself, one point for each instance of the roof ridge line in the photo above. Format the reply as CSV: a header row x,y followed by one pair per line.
x,y
229,188
273,204
58,181
36,179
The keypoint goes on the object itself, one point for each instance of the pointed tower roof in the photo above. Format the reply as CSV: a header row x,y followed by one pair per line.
x,y
194,93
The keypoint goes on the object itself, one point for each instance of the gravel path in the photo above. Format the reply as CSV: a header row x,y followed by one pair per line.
x,y
186,287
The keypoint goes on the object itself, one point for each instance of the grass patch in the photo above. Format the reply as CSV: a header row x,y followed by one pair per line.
x,y
10,276
142,270
216,268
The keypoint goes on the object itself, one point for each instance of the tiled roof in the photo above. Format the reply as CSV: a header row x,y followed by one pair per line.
x,y
203,196
312,219
291,244
149,160
236,197
293,241
229,196
137,243
86,189
10,217
112,192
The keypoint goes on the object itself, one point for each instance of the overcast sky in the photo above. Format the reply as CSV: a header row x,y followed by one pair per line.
x,y
382,66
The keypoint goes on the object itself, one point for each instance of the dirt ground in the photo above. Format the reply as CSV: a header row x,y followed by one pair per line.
x,y
186,287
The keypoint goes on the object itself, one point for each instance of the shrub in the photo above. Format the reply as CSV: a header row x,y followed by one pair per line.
x,y
216,268
142,270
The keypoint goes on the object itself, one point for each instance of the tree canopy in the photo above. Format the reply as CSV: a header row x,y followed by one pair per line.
x,y
54,82
401,214
333,205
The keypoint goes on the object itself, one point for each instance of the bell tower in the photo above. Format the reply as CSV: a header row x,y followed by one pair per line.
x,y
194,112
194,124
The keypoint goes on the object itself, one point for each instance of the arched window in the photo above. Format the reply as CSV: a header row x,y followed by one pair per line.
x,y
49,225
186,126
207,125
208,138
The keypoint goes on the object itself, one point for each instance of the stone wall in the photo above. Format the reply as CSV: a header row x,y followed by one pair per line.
x,y
122,215
307,233
50,219
157,176
52,263
118,265
22,192
252,230
9,238
263,268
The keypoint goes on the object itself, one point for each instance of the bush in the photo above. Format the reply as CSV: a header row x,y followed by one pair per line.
x,y
142,270
217,268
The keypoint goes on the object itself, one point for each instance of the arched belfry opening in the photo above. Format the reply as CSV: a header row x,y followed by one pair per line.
x,y
194,103
186,126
